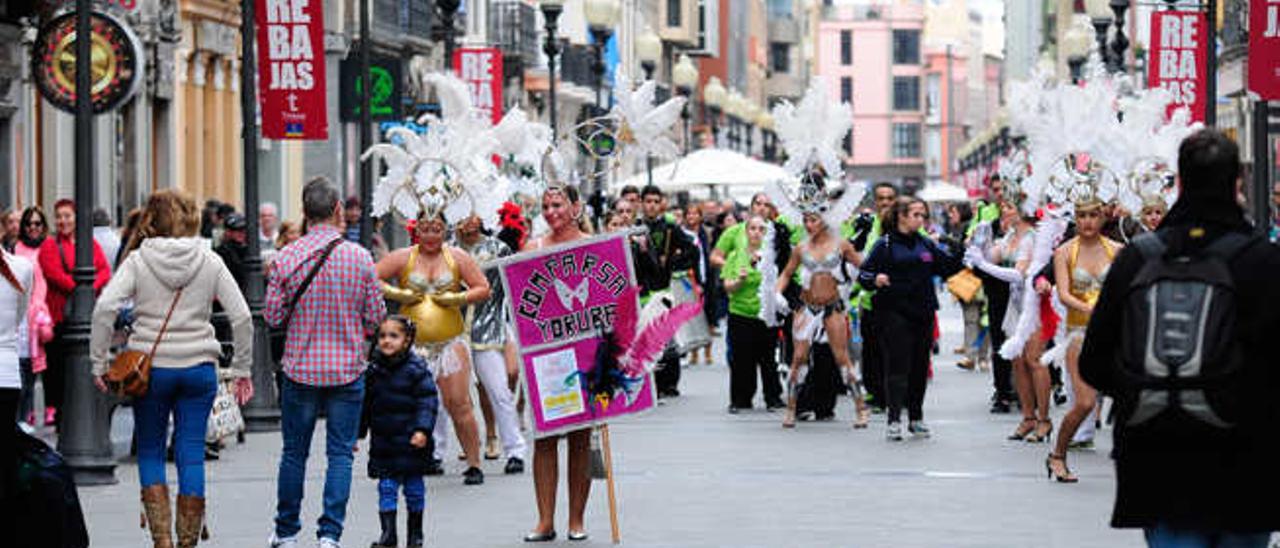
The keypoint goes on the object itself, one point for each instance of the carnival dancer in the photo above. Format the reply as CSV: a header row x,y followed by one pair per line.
x,y
1080,267
900,268
561,209
488,321
1009,260
440,178
825,292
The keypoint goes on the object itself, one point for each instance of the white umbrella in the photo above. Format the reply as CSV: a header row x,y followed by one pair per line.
x,y
732,173
938,191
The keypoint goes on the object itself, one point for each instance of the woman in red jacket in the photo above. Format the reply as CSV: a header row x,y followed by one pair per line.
x,y
57,262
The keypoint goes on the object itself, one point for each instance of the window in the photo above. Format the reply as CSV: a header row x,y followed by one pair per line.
x,y
906,93
906,47
780,57
779,8
846,47
906,140
673,13
846,89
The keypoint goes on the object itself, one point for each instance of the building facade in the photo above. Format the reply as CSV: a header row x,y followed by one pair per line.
x,y
872,56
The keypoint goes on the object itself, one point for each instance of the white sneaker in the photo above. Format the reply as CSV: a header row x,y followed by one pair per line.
x,y
893,432
277,542
326,542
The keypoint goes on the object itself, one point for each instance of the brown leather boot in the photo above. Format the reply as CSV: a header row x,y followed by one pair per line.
x,y
190,520
157,515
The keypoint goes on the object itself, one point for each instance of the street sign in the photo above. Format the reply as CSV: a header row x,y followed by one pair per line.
x,y
388,87
1179,47
1264,48
481,69
291,79
117,62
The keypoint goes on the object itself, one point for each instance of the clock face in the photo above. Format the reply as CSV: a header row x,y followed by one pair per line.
x,y
116,62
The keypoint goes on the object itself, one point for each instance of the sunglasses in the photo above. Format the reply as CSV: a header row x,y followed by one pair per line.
x,y
34,223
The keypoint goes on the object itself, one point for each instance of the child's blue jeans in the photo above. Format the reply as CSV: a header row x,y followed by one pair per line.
x,y
415,493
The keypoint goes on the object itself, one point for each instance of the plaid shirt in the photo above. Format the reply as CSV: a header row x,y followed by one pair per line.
x,y
335,317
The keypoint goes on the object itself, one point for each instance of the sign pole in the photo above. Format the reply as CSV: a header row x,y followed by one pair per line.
x,y
366,129
613,492
1211,64
1262,215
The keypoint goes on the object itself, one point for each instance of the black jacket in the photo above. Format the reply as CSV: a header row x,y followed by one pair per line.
x,y
235,256
911,261
669,250
1222,484
400,399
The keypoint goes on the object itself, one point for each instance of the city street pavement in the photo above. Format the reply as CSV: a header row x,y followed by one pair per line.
x,y
689,474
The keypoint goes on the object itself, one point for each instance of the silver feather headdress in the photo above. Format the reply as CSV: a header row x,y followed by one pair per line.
x,y
811,132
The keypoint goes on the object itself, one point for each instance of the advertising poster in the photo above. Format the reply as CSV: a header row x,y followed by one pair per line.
x,y
291,76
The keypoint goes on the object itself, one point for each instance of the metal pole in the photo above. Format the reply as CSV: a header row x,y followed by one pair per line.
x,y
550,13
366,128
1211,64
84,435
1262,215
262,412
448,37
601,37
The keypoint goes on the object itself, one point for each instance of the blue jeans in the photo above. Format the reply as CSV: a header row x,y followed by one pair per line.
x,y
415,493
187,394
1164,536
299,406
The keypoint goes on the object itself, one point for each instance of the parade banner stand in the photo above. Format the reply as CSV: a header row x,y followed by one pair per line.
x,y
562,299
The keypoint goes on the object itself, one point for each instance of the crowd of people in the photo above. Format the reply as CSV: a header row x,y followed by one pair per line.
x,y
1066,288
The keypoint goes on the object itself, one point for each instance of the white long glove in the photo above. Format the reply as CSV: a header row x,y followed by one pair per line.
x,y
1004,274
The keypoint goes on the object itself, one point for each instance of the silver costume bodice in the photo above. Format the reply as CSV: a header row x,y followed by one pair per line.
x,y
489,318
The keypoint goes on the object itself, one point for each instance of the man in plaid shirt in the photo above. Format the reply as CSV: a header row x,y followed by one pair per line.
x,y
324,358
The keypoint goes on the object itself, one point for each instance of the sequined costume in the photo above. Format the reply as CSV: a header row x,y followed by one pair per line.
x,y
439,326
488,319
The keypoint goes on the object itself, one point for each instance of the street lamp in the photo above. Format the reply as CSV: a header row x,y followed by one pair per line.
x,y
714,97
765,122
551,10
649,50
1120,43
1075,44
685,77
602,16
448,10
1100,15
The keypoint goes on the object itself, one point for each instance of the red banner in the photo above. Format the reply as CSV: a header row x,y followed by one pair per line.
x,y
481,69
1177,62
291,80
1264,48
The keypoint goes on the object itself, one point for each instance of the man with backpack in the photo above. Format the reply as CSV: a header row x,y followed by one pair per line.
x,y
1183,338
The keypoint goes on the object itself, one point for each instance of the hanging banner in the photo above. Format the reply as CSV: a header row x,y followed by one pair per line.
x,y
562,300
481,69
1264,49
291,76
1178,59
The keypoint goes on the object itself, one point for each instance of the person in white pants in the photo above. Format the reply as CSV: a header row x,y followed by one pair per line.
x,y
488,321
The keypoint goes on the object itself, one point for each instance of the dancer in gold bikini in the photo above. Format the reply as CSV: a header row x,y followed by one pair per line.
x,y
1080,266
434,282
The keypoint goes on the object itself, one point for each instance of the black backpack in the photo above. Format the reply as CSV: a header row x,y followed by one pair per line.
x,y
1180,355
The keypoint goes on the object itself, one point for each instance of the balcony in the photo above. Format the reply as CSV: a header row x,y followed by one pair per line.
x,y
513,27
575,64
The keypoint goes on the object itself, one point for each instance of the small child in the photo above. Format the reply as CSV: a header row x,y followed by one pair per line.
x,y
400,409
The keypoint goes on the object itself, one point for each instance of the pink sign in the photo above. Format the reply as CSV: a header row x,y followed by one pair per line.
x,y
563,299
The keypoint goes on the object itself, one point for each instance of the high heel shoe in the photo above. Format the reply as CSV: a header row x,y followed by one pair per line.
x,y
1037,436
864,417
1024,428
1066,476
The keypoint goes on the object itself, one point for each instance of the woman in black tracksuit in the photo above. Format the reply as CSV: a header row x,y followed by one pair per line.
x,y
900,268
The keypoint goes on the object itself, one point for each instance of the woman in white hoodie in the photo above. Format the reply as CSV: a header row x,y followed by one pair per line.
x,y
15,293
168,267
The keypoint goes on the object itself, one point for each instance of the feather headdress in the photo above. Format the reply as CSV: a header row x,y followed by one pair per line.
x,y
643,127
811,131
521,145
446,171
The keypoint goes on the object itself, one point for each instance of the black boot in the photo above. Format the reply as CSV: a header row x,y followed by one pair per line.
x,y
414,531
388,538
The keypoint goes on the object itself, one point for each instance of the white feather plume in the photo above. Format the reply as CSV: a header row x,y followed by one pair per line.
x,y
1048,233
811,132
644,129
768,267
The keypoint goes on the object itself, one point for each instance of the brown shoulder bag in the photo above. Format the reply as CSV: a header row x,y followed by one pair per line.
x,y
130,372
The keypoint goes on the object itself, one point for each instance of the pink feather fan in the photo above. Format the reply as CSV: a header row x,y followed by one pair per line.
x,y
637,351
